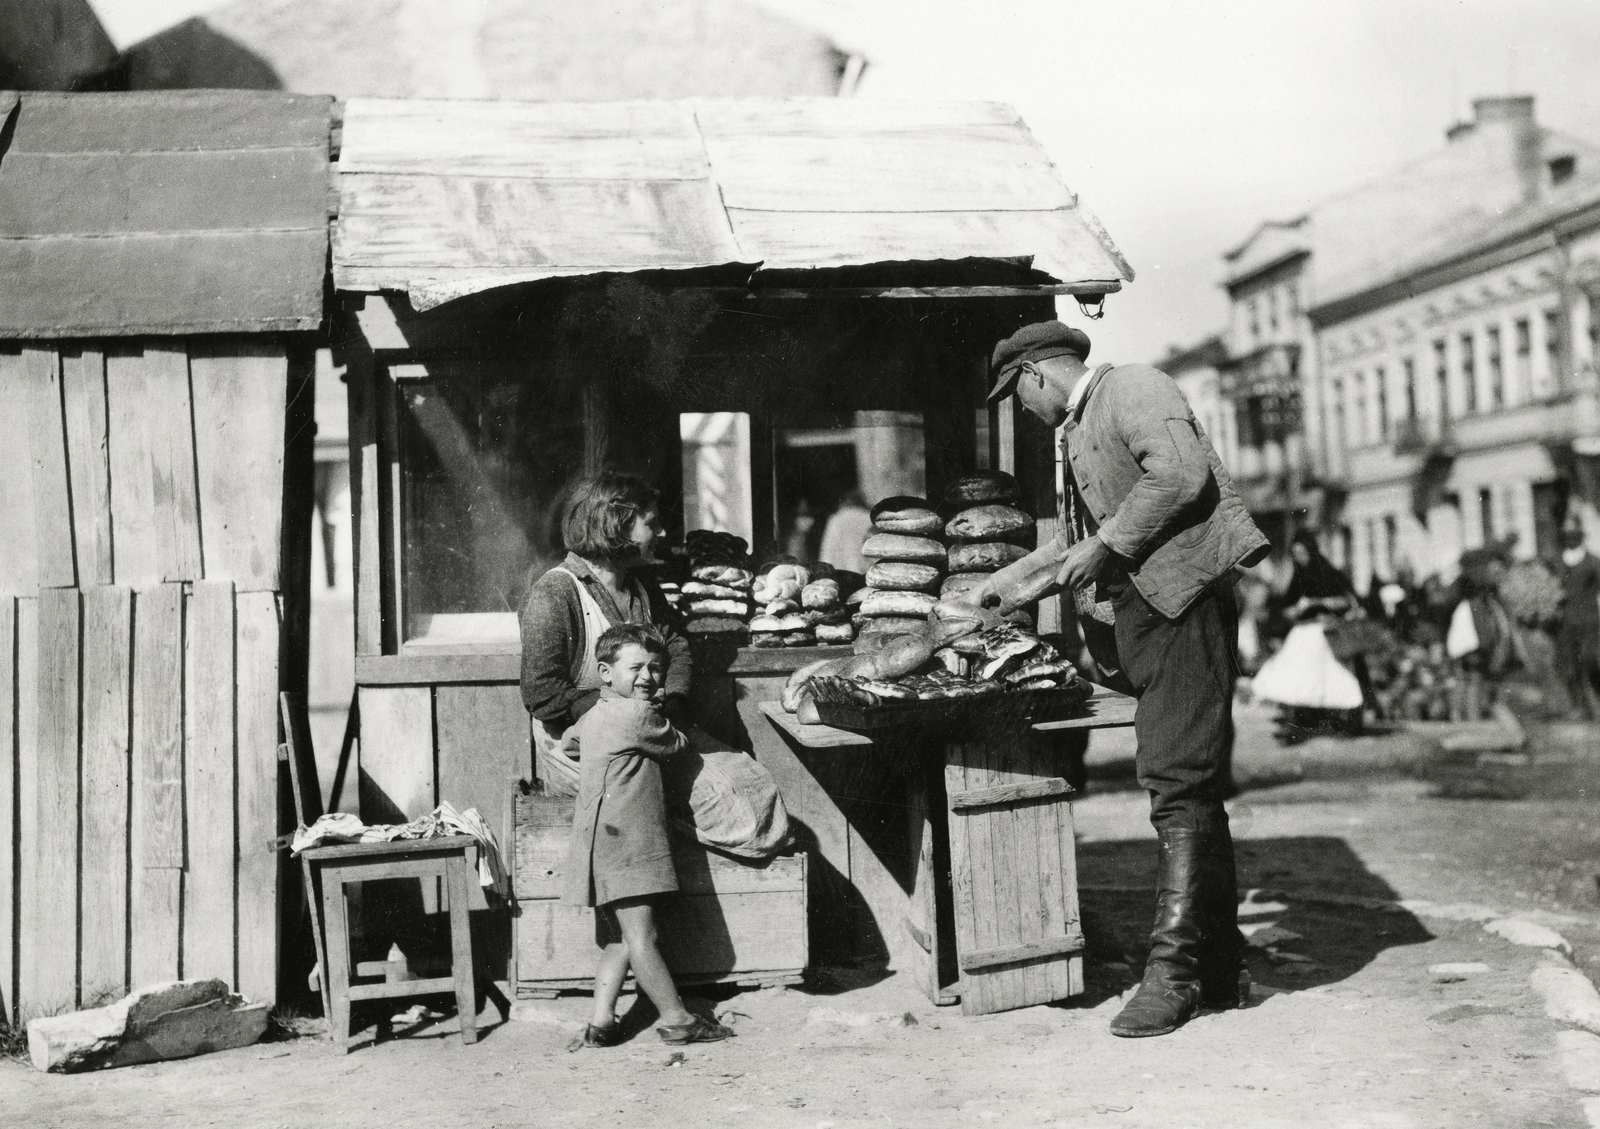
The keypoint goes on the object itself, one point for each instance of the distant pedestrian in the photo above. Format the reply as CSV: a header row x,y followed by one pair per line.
x,y
1578,643
1482,635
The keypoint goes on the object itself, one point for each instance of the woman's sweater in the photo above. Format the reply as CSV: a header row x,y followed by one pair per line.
x,y
553,641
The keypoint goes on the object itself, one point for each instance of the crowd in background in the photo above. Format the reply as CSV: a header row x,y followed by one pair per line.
x,y
1523,632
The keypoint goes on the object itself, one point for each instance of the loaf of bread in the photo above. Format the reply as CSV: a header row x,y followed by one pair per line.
x,y
960,583
716,625
890,625
984,556
728,575
993,522
820,594
981,487
902,576
719,607
699,589
879,603
902,514
834,633
903,547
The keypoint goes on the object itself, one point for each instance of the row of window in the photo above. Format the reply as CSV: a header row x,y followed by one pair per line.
x,y
1276,306
1507,378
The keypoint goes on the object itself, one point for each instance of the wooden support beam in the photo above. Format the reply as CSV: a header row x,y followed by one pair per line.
x,y
257,632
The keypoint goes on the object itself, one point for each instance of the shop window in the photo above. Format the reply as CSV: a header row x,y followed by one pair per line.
x,y
1441,377
1469,374
828,470
1497,374
486,451
1486,514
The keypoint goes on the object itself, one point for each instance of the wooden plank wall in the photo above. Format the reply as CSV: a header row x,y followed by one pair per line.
x,y
142,490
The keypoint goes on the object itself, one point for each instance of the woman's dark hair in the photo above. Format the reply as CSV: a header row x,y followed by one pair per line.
x,y
598,516
613,639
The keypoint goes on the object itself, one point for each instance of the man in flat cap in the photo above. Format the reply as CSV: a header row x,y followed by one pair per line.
x,y
1155,531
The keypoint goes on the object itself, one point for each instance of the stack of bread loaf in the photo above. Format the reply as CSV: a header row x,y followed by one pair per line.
x,y
799,606
987,532
908,560
715,599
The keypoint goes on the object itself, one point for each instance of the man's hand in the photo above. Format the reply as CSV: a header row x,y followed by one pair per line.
x,y
1084,563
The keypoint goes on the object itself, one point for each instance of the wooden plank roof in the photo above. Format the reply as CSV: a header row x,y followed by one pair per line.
x,y
441,199
174,212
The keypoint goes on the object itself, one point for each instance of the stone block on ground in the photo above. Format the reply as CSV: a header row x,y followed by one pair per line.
x,y
178,1019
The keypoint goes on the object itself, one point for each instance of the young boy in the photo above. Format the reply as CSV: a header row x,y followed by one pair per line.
x,y
620,860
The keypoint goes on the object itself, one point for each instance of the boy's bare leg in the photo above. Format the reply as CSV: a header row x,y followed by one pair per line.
x,y
608,978
638,922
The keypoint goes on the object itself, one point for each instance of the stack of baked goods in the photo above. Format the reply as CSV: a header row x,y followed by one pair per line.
x,y
958,651
987,532
800,606
909,560
715,599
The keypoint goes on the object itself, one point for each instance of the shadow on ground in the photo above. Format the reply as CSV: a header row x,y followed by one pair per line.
x,y
1314,887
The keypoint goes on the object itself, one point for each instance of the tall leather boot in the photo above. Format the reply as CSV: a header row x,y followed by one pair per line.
x,y
1224,981
1170,992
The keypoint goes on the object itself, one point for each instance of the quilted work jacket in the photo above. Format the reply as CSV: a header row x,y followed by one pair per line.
x,y
1161,498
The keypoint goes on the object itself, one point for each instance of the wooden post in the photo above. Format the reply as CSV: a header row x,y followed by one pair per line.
x,y
256,692
209,773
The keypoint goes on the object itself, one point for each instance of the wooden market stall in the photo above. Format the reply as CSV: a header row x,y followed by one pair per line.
x,y
162,264
529,292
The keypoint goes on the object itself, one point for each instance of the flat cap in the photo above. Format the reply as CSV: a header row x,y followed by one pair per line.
x,y
1037,342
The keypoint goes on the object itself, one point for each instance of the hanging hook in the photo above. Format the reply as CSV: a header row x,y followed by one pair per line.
x,y
1093,308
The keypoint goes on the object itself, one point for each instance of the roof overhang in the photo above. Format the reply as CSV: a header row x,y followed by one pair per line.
x,y
441,199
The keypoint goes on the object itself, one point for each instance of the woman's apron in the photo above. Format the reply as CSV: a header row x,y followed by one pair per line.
x,y
719,795
558,763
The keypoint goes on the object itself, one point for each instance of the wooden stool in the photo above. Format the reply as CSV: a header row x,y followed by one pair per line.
x,y
332,868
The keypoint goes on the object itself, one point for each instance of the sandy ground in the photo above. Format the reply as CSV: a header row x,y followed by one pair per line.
x,y
1348,1027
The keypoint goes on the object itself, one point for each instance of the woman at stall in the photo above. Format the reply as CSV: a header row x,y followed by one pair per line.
x,y
609,528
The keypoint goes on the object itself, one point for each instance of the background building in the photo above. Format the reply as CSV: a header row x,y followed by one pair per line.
x,y
1332,364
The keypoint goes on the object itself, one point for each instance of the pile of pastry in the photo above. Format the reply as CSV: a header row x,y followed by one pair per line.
x,y
802,606
716,599
957,651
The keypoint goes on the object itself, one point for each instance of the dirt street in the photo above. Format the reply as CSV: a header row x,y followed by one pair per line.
x,y
1358,890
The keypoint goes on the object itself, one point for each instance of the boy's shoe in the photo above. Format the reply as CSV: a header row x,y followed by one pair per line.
x,y
607,1036
696,1031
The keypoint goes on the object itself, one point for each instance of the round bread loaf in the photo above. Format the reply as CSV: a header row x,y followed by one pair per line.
x,y
719,607
960,583
799,639
984,556
981,487
903,547
766,639
765,623
902,514
820,594
992,522
854,599
880,603
902,576
835,632
891,625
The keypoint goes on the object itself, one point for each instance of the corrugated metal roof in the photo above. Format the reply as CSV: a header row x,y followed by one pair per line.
x,y
163,213
442,199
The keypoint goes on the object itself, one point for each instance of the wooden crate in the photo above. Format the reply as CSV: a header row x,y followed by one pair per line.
x,y
732,922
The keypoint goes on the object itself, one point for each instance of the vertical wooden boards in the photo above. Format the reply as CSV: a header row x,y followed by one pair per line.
x,y
483,742
922,918
1015,882
256,682
52,497
107,693
49,919
8,809
83,384
134,559
154,496
239,389
157,827
397,774
208,766
19,568
27,703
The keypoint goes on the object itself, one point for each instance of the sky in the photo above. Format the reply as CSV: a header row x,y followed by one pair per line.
x,y
1185,123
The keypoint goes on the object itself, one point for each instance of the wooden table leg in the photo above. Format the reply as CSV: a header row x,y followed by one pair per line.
x,y
336,970
460,876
